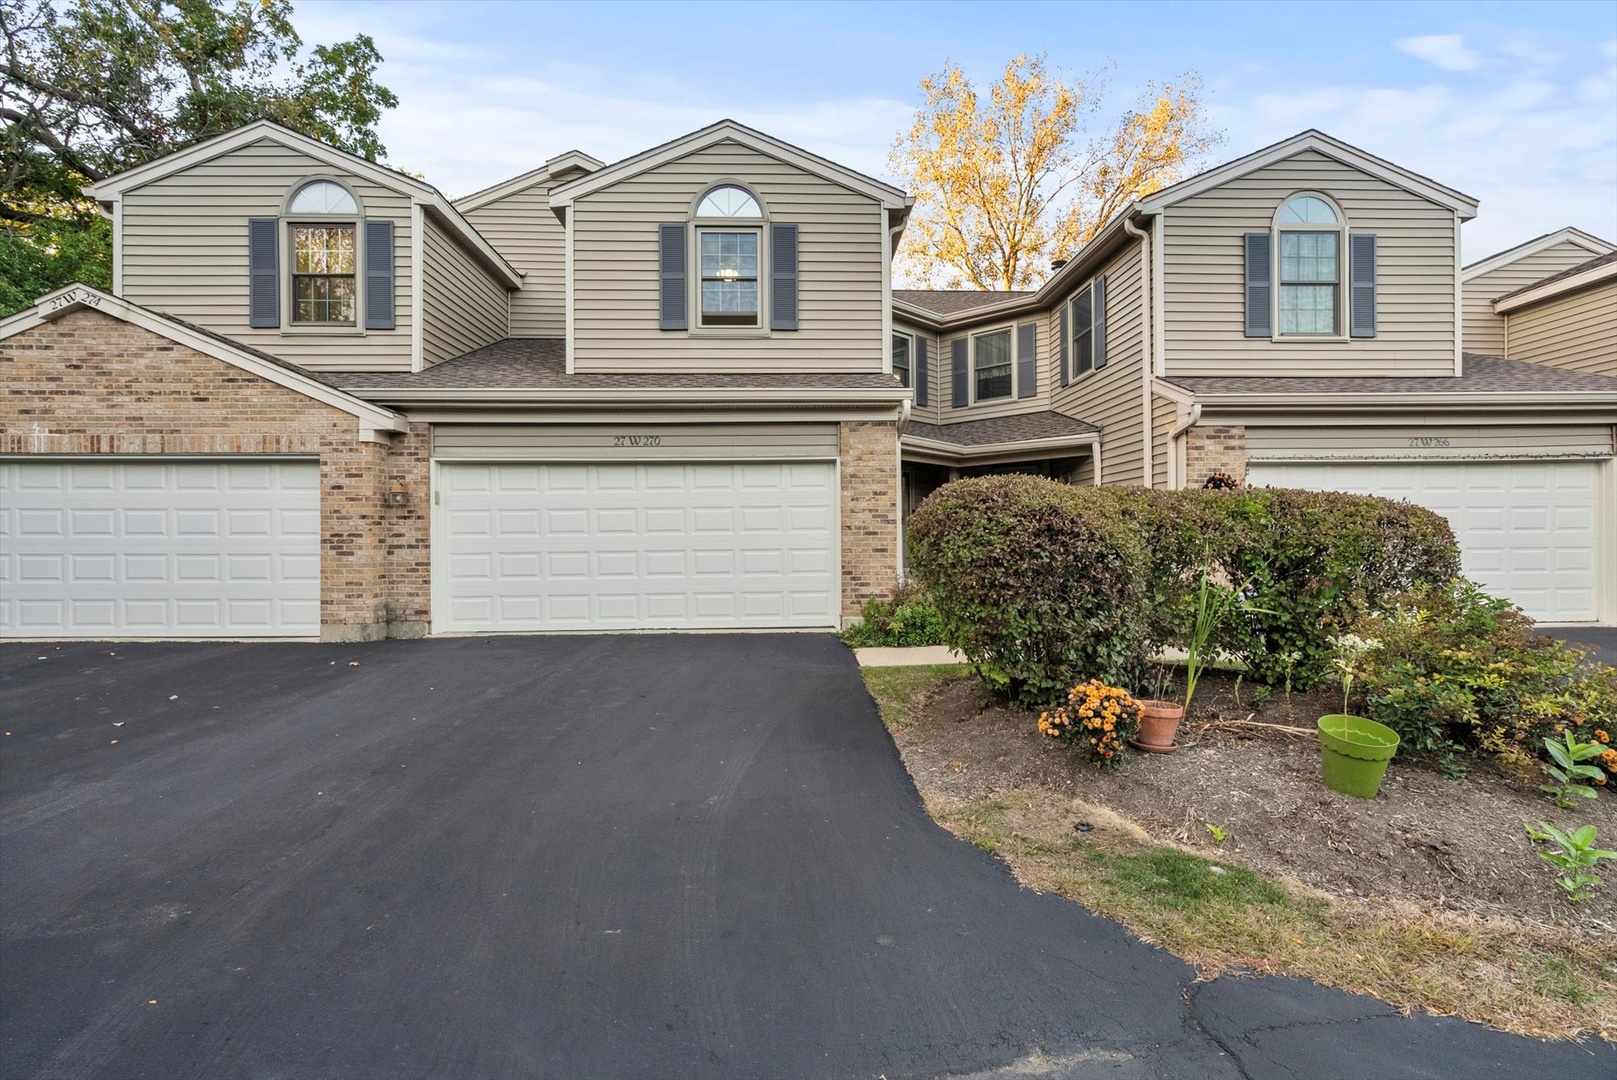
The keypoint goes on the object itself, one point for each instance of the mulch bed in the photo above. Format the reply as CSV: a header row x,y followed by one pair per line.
x,y
1445,844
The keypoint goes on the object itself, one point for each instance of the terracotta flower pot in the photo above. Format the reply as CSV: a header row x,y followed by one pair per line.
x,y
1159,723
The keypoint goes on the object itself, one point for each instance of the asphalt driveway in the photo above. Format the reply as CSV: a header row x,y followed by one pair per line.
x,y
1602,639
637,856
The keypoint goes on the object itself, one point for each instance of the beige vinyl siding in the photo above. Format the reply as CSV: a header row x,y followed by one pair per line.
x,y
1111,397
1164,415
635,442
1204,276
616,285
1006,406
464,308
932,412
521,227
1464,439
1577,331
1482,330
185,253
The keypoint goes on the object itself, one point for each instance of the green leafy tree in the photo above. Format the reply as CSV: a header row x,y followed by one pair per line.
x,y
91,88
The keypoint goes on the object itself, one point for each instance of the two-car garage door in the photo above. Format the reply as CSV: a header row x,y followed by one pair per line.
x,y
1528,530
102,548
580,545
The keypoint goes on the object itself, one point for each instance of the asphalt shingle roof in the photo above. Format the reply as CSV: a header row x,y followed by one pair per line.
x,y
1482,375
1002,429
1581,268
949,301
541,363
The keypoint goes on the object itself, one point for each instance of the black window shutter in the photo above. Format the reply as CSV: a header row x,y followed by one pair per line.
x,y
671,269
1100,322
1362,285
379,275
1066,338
783,277
959,375
1027,350
263,273
921,364
1259,274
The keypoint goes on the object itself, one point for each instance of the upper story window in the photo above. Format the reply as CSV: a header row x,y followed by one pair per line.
x,y
323,236
903,363
728,201
728,257
1309,240
323,197
991,362
323,267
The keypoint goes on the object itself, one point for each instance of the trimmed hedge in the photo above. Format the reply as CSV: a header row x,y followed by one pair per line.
x,y
1038,584
1045,585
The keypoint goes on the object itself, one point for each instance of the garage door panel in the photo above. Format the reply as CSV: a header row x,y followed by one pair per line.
x,y
660,545
1527,530
151,548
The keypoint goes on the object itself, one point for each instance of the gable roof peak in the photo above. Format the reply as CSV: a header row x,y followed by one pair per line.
x,y
1527,248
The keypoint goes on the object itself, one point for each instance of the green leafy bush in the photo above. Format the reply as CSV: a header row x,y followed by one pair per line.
x,y
1457,667
1040,584
908,617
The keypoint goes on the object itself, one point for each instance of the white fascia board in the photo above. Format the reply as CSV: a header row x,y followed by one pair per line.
x,y
496,192
1318,141
565,396
1569,235
994,453
113,188
1080,267
1551,289
472,240
1177,394
1605,402
730,131
77,297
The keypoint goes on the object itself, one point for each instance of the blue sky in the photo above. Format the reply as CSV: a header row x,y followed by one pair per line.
x,y
1514,103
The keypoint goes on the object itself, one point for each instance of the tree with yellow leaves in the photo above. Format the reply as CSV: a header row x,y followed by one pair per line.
x,y
1004,187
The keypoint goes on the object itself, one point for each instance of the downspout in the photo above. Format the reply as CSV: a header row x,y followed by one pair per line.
x,y
1145,346
1175,481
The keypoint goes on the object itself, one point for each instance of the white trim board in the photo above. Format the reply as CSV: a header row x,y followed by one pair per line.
x,y
1577,237
1549,290
373,419
112,189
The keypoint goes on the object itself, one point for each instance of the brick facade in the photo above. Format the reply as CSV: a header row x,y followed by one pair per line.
x,y
869,452
1210,450
88,383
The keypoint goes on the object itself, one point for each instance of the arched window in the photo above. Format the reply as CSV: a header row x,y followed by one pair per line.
x,y
1310,232
728,201
323,197
728,256
324,255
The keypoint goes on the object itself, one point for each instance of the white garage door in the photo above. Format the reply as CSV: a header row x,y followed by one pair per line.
x,y
1527,530
653,545
159,548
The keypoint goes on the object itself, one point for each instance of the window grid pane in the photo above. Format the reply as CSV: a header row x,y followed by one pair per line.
x,y
901,358
991,355
1083,331
323,268
1308,309
1309,274
729,266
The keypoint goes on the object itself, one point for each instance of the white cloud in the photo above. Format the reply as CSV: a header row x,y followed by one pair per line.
x,y
1538,150
1447,51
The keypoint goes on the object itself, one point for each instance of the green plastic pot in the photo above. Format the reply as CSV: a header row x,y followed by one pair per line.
x,y
1355,754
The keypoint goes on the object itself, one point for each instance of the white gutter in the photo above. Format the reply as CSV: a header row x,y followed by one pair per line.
x,y
1024,448
897,397
1552,289
1565,400
1145,345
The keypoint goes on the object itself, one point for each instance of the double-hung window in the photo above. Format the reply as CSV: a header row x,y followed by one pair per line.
x,y
324,266
323,271
903,351
1083,331
729,277
991,362
1310,233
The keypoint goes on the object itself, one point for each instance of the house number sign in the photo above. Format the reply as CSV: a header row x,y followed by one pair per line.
x,y
75,297
1424,441
637,440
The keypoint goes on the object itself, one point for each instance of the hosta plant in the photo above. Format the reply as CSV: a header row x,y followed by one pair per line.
x,y
1574,854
